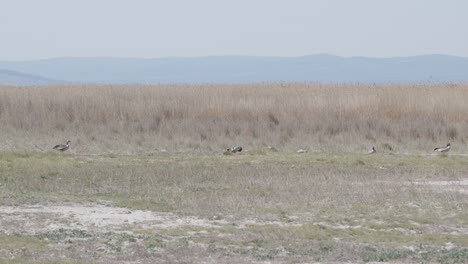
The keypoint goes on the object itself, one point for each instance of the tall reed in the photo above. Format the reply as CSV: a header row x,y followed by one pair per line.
x,y
211,117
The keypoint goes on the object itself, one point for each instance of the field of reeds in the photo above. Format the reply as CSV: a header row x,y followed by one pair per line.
x,y
210,118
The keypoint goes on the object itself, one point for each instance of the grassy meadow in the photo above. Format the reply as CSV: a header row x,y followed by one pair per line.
x,y
147,181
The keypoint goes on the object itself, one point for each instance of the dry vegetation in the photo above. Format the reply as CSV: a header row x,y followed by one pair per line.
x,y
331,204
144,119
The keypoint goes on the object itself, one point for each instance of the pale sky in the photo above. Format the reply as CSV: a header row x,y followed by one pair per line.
x,y
40,29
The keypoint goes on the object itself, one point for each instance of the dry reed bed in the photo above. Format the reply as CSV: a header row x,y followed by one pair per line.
x,y
288,116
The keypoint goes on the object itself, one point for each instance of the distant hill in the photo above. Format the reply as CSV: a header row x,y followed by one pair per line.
x,y
247,69
14,78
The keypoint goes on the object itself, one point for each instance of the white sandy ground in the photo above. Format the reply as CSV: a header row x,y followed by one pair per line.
x,y
456,186
33,219
103,217
96,217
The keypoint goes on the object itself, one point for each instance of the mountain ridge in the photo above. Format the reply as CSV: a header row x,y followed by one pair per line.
x,y
319,68
16,78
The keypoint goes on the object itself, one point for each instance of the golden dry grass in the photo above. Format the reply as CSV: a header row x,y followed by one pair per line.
x,y
138,119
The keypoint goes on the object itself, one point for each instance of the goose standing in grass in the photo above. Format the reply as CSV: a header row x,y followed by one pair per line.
x,y
235,149
372,151
62,147
446,149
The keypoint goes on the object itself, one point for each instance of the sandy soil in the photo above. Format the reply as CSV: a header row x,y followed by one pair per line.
x,y
95,217
102,217
443,186
33,219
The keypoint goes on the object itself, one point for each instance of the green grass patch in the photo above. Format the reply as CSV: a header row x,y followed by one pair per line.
x,y
64,234
14,242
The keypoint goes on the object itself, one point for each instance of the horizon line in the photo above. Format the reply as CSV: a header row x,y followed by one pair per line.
x,y
220,56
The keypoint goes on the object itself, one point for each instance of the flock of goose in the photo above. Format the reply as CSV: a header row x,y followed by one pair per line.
x,y
442,149
236,149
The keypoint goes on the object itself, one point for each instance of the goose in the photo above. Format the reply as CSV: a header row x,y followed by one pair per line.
x,y
446,149
235,149
372,151
62,147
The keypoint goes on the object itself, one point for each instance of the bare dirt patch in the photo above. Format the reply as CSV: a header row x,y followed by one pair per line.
x,y
95,217
460,186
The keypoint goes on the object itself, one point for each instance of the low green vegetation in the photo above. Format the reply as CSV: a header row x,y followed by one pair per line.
x,y
259,206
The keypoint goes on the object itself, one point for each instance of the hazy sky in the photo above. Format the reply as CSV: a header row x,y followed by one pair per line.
x,y
36,29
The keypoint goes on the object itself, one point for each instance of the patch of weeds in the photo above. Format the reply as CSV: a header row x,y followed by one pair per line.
x,y
270,254
113,246
257,243
123,237
307,231
228,153
246,251
155,241
326,249
386,255
457,255
112,156
216,240
284,217
397,238
115,241
214,248
454,256
324,234
63,234
182,242
300,252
